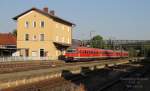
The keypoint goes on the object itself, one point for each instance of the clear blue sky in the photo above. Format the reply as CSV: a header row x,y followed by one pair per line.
x,y
117,19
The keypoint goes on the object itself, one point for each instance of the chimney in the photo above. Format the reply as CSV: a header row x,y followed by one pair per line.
x,y
45,9
52,12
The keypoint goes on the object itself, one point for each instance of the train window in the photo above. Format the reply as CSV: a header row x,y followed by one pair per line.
x,y
71,50
80,51
87,51
93,52
83,51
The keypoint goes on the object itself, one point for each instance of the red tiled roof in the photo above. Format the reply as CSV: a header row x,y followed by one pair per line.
x,y
45,13
7,39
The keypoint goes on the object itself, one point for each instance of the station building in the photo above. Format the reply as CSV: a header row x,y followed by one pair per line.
x,y
40,33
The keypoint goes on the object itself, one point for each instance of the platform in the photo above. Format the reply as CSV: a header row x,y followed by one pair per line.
x,y
21,78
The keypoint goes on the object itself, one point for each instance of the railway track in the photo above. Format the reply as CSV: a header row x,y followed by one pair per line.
x,y
8,67
128,81
125,70
74,81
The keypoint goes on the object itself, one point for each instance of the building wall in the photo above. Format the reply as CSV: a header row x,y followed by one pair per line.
x,y
53,32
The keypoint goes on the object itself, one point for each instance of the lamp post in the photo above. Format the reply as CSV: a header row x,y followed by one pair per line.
x,y
91,37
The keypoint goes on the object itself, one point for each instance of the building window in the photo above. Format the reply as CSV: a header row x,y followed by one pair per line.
x,y
63,39
34,24
26,24
68,29
56,25
42,24
57,52
57,38
34,53
68,40
27,37
63,27
41,37
34,37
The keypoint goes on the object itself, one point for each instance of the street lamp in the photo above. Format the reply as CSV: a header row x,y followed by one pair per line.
x,y
91,37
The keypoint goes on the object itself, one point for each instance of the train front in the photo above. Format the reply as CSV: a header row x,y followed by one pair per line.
x,y
71,55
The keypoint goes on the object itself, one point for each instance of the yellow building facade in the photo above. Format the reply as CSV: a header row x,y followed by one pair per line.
x,y
41,33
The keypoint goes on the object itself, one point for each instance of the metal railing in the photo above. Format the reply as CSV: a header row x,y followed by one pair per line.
x,y
5,59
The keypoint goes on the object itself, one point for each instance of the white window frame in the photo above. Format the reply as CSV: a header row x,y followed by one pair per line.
x,y
63,39
63,27
57,38
68,29
41,24
25,37
68,40
57,25
34,52
57,53
40,37
34,37
26,25
34,24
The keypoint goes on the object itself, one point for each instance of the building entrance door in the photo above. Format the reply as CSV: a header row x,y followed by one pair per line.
x,y
27,52
41,52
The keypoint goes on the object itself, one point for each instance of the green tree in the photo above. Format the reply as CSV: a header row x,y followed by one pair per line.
x,y
97,42
132,52
146,50
14,32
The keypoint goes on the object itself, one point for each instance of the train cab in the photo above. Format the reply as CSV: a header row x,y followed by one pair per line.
x,y
70,54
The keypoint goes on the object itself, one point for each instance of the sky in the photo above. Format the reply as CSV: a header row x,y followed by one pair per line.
x,y
115,19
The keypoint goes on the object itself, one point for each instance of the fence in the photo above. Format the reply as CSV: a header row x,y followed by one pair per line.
x,y
4,59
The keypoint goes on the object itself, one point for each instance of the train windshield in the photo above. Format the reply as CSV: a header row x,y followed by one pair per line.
x,y
71,51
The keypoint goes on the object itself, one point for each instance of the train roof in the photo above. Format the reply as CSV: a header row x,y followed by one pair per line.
x,y
88,48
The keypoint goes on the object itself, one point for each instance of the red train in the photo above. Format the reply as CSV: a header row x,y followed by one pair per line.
x,y
82,53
